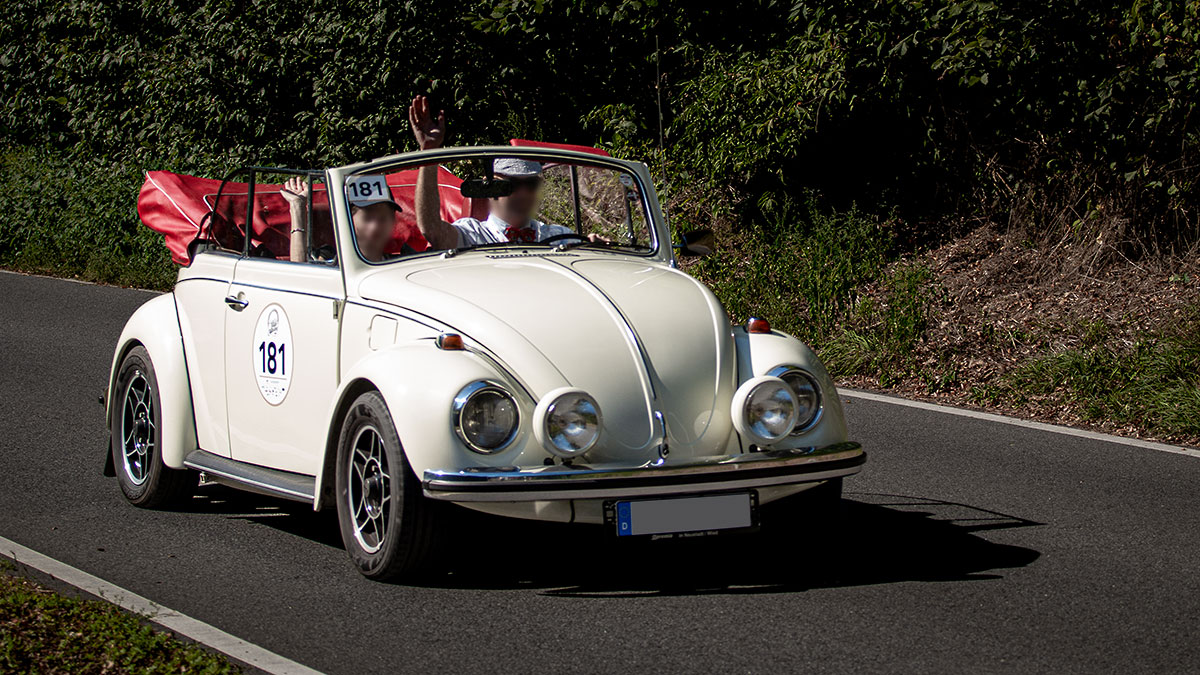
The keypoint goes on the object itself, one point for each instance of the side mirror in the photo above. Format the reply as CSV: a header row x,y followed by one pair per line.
x,y
697,244
479,188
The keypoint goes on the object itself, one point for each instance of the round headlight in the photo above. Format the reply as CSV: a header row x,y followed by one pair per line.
x,y
771,410
808,395
570,422
485,417
764,409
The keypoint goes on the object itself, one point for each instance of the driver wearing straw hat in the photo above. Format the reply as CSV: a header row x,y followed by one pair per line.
x,y
511,217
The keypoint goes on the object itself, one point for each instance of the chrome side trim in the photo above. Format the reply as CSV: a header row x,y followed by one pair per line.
x,y
759,469
254,478
242,284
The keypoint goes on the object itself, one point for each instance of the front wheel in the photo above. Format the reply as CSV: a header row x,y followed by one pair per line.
x,y
387,524
136,441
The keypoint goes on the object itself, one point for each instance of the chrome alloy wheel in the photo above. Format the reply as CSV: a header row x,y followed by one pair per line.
x,y
137,428
370,489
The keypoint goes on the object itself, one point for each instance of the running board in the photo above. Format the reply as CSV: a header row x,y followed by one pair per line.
x,y
273,482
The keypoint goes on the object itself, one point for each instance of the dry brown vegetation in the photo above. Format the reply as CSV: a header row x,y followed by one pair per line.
x,y
1004,302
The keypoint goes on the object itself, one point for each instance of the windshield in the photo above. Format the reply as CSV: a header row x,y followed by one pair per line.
x,y
498,201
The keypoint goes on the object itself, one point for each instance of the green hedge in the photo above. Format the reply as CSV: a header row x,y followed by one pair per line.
x,y
77,218
1057,109
1070,118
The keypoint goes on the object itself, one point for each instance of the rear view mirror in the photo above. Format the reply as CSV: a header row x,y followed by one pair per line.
x,y
697,243
479,188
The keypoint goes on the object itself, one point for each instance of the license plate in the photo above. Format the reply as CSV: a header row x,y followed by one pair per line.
x,y
707,514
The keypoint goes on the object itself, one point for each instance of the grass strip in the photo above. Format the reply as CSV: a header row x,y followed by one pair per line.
x,y
42,631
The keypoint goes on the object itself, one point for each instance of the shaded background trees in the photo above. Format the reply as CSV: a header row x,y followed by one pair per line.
x,y
870,166
1049,115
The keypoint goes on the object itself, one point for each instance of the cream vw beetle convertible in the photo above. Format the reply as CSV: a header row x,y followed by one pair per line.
x,y
579,378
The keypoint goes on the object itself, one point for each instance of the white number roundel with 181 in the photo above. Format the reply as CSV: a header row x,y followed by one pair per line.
x,y
273,354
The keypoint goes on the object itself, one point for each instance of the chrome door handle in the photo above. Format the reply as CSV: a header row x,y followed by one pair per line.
x,y
236,302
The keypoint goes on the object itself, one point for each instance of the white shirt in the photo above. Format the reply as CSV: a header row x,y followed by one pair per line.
x,y
472,232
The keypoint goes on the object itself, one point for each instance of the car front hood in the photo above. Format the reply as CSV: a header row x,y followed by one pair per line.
x,y
640,337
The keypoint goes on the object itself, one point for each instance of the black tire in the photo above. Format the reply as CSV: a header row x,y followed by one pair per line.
x,y
136,438
385,494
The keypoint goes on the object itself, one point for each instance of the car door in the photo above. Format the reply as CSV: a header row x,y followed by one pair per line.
x,y
281,361
200,300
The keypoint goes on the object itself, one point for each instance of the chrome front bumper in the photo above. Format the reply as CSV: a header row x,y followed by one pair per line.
x,y
705,474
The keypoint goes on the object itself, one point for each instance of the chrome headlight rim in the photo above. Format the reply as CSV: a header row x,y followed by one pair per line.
x,y
781,372
740,409
464,397
541,421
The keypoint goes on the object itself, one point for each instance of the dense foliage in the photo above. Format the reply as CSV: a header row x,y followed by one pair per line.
x,y
1064,115
809,93
76,216
823,139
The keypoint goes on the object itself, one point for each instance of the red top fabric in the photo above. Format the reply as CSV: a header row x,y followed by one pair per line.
x,y
522,143
176,205
173,205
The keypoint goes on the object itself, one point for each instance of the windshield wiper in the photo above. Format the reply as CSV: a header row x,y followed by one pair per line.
x,y
451,252
598,244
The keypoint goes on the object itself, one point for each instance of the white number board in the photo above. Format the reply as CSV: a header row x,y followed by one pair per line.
x,y
273,354
368,188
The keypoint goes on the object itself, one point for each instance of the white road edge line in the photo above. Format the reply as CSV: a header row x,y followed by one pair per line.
x,y
182,624
77,281
1017,422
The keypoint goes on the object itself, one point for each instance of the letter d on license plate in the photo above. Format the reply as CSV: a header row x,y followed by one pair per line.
x,y
681,515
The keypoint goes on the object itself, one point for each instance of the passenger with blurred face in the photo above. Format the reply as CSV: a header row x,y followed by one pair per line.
x,y
511,217
372,206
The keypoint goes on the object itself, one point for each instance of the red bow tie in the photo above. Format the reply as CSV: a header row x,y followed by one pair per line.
x,y
523,234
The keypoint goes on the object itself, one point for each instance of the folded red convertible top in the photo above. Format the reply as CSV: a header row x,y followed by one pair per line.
x,y
176,205
522,143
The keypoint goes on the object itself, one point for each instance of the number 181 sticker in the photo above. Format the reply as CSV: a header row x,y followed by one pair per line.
x,y
273,354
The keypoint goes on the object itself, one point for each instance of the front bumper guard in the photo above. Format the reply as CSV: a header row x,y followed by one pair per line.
x,y
704,474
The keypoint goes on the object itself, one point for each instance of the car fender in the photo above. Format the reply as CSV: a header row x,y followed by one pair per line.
x,y
418,382
155,326
758,353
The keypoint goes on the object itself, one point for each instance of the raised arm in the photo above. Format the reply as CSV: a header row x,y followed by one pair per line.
x,y
430,134
295,191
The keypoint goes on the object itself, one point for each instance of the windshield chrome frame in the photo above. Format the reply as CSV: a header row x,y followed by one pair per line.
x,y
412,160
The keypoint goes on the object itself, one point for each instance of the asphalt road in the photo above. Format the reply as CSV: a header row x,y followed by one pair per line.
x,y
969,545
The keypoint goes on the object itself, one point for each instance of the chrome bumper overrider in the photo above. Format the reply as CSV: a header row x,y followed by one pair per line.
x,y
703,474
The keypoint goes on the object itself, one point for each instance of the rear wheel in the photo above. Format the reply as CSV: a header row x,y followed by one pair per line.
x,y
136,440
387,524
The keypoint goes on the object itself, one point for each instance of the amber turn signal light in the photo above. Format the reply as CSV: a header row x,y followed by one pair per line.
x,y
451,342
757,325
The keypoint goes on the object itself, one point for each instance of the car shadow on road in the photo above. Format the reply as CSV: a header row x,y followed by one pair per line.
x,y
294,518
883,539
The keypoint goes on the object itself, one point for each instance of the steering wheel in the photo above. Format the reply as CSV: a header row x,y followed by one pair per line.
x,y
564,235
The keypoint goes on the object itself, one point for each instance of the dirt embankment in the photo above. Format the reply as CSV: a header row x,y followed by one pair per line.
x,y
1002,304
